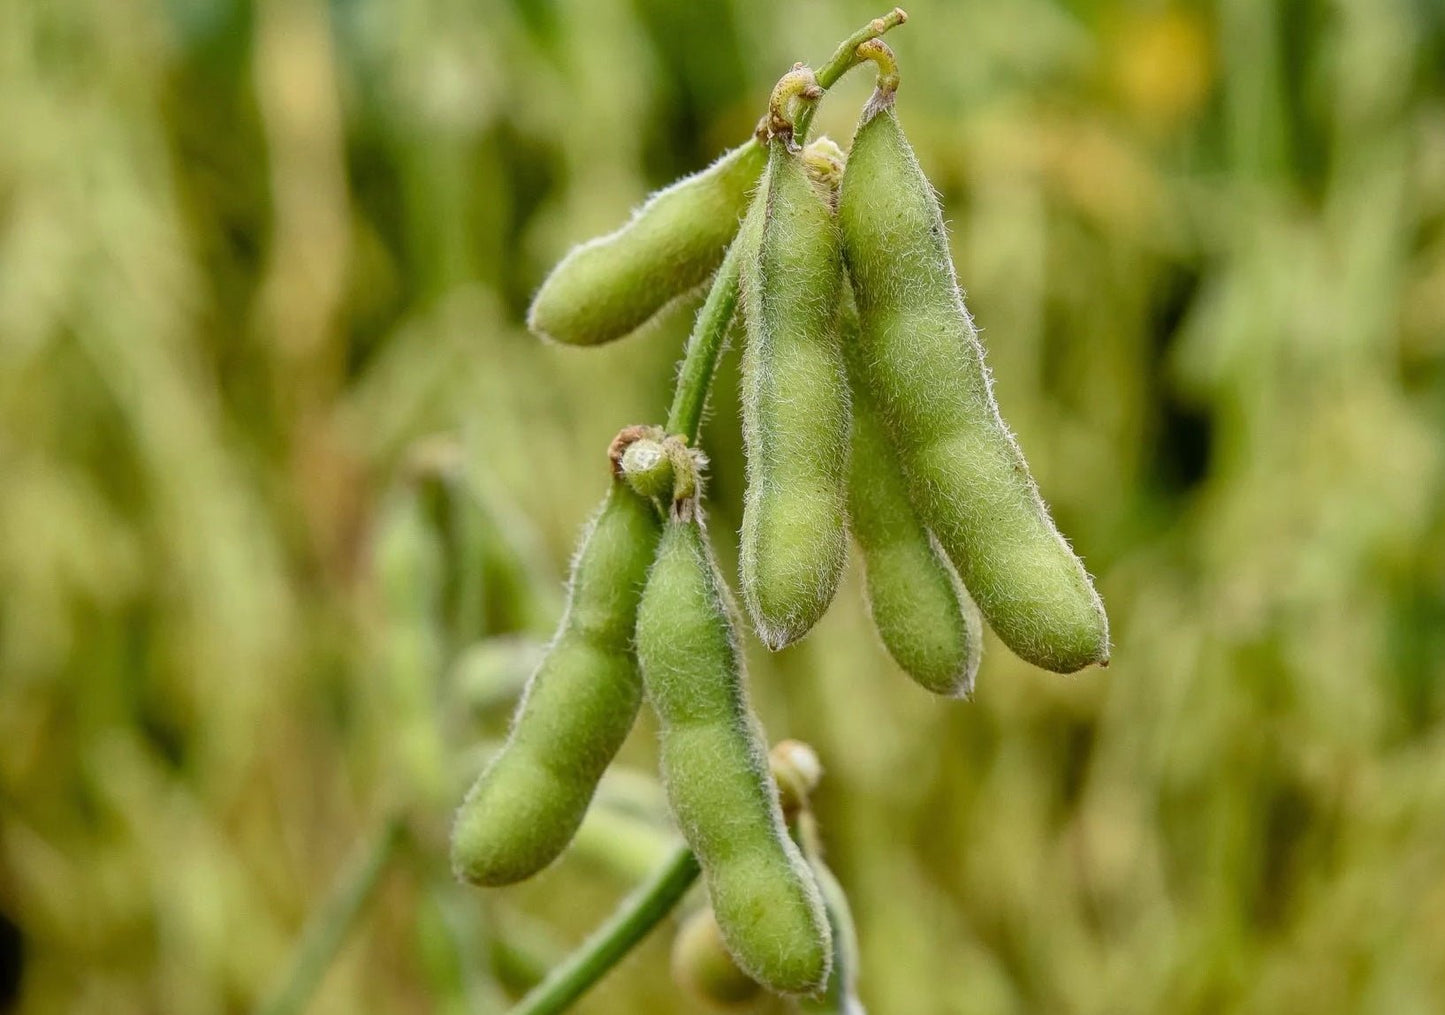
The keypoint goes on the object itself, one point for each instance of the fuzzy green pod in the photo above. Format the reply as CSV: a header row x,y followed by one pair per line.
x,y
610,286
716,771
924,616
922,358
795,404
578,707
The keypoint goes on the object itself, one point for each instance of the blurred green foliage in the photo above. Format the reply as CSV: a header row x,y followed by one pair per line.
x,y
251,252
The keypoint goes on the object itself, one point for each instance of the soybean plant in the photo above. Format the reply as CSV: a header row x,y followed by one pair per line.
x,y
866,404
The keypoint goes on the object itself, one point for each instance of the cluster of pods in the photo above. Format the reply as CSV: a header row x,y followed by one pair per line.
x,y
867,408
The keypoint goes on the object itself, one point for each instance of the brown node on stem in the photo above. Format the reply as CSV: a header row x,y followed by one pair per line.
x,y
798,84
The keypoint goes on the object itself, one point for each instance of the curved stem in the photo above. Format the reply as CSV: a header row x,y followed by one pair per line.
x,y
798,84
881,54
882,98
638,914
709,335
844,59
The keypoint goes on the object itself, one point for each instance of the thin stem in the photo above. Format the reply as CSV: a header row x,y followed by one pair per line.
x,y
879,52
839,997
798,85
326,931
844,59
638,914
709,335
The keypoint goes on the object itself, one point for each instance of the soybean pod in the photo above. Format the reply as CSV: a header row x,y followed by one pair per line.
x,y
715,768
578,707
920,355
924,616
610,286
795,403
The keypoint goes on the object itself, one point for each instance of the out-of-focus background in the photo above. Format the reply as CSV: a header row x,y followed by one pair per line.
x,y
287,492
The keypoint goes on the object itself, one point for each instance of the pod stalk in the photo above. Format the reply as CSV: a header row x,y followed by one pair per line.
x,y
798,84
886,87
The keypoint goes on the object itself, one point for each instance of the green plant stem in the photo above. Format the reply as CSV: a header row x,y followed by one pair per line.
x,y
327,929
844,59
838,998
709,335
638,914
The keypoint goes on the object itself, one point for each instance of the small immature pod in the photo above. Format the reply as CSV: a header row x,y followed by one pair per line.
x,y
923,614
716,770
578,707
795,404
922,359
610,286
824,162
702,964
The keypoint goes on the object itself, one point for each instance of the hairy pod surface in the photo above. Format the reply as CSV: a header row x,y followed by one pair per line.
x,y
578,707
795,404
923,615
921,356
715,767
610,286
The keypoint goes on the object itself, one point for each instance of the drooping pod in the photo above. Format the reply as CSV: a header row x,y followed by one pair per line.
x,y
921,357
715,768
610,286
795,403
578,707
924,616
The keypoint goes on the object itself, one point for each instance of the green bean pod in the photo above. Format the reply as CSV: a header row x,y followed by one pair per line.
x,y
715,767
924,616
606,288
578,707
921,357
795,404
